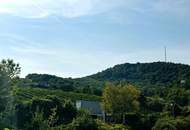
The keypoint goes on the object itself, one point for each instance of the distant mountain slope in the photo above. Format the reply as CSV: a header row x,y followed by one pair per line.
x,y
148,73
142,74
50,81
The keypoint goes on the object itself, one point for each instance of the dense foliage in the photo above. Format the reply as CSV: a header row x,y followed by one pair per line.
x,y
87,85
119,100
161,100
61,111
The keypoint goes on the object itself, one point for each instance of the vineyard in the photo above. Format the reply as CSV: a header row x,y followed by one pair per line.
x,y
26,94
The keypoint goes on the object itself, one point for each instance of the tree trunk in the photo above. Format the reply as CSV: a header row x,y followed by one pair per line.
x,y
123,119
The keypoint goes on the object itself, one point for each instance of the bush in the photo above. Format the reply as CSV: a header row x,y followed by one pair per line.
x,y
62,112
155,104
104,126
82,123
170,123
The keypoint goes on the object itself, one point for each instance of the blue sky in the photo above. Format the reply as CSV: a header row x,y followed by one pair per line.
x,y
75,38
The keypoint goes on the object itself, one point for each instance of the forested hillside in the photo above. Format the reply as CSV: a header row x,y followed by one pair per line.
x,y
140,74
157,73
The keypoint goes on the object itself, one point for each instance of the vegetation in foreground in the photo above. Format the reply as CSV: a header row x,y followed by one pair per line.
x,y
44,102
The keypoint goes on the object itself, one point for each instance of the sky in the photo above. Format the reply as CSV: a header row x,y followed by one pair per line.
x,y
76,38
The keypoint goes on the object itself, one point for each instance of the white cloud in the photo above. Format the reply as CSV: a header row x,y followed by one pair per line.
x,y
77,8
66,8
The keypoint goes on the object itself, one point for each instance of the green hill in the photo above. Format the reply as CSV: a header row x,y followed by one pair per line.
x,y
157,73
140,74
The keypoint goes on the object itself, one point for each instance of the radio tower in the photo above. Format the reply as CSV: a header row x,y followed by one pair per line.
x,y
165,54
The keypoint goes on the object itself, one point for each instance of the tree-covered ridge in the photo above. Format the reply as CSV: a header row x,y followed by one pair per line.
x,y
87,85
140,74
50,81
156,73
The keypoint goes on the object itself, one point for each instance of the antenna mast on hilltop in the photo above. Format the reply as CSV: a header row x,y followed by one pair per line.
x,y
165,50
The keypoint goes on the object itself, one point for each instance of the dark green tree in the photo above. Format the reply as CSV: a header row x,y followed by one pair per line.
x,y
10,67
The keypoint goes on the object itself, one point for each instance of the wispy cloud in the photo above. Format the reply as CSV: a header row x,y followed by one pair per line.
x,y
66,8
77,8
18,41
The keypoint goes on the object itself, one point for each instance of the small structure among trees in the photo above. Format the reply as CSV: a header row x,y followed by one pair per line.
x,y
94,107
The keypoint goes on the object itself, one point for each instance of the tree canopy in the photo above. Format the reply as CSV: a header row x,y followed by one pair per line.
x,y
12,69
119,100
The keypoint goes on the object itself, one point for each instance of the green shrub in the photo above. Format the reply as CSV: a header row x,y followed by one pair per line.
x,y
169,123
104,126
83,122
63,111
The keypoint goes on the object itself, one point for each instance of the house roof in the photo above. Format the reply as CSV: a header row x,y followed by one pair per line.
x,y
93,106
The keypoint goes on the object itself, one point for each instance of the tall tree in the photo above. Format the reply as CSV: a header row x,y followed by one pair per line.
x,y
12,69
8,73
4,90
118,100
